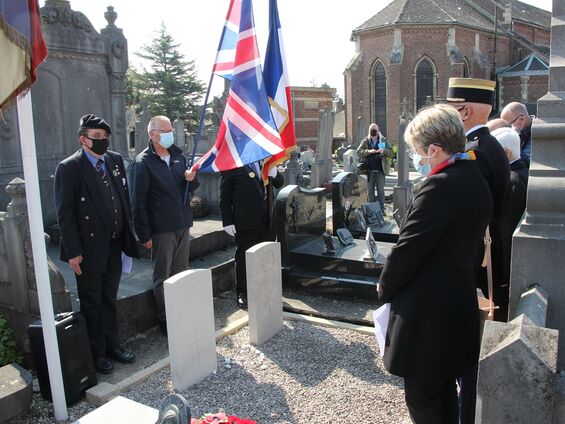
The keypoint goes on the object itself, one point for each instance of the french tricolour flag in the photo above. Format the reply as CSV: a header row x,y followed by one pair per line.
x,y
247,132
278,89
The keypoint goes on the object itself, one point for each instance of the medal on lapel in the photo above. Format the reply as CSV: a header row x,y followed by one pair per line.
x,y
252,174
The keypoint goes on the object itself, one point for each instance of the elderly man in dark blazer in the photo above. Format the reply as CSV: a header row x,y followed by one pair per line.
x,y
246,208
94,217
433,331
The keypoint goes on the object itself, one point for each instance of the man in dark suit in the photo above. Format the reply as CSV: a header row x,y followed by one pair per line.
x,y
94,217
473,100
246,208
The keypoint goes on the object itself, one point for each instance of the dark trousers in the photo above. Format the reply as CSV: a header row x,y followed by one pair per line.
x,y
97,293
243,241
376,180
170,256
468,395
431,402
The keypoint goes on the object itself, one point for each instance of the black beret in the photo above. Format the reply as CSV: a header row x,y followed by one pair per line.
x,y
94,122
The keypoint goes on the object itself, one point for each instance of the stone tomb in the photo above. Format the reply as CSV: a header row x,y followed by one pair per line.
x,y
350,210
307,265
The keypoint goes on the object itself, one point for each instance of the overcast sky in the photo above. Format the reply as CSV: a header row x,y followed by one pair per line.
x,y
316,32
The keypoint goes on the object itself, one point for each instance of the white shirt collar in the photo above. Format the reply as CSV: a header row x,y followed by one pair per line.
x,y
476,127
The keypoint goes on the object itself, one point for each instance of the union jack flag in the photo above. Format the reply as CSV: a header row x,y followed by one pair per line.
x,y
225,58
247,132
278,89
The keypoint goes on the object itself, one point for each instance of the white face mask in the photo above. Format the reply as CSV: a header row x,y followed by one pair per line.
x,y
166,140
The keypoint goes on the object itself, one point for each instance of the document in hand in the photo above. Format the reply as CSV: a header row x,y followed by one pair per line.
x,y
380,317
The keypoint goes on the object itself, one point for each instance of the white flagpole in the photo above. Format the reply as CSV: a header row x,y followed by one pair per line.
x,y
29,160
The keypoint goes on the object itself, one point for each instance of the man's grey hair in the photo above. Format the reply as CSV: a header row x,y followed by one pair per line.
x,y
153,122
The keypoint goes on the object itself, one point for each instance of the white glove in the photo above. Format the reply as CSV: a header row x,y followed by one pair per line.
x,y
272,172
230,229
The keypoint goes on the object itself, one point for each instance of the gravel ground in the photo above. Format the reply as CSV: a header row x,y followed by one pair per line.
x,y
304,374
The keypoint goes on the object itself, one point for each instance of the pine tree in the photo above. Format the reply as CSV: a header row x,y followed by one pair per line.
x,y
170,87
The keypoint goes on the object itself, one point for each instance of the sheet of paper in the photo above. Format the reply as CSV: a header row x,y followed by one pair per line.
x,y
380,317
126,263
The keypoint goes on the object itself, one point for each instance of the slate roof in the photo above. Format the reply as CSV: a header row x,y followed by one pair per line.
x,y
448,12
530,65
531,14
427,12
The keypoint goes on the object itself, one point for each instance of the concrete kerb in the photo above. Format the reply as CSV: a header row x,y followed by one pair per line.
x,y
104,392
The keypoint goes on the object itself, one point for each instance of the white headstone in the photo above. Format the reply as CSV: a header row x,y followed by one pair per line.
x,y
190,324
350,159
264,291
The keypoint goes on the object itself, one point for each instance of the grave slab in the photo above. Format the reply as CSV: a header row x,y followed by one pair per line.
x,y
264,291
190,324
15,391
121,411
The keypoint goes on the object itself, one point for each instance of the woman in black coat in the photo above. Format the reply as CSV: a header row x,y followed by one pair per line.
x,y
433,331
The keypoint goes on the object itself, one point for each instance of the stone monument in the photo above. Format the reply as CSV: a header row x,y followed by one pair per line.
x,y
402,192
538,252
293,170
19,303
323,164
84,73
178,130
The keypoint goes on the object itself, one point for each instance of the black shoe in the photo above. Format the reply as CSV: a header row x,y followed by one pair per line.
x,y
242,301
103,365
163,327
121,355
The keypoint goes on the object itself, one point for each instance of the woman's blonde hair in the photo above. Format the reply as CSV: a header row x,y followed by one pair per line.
x,y
440,125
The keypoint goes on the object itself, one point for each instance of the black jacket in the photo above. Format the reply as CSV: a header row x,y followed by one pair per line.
x,y
433,330
83,216
242,198
158,193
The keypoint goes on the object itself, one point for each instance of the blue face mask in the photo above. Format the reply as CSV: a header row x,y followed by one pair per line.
x,y
167,140
426,169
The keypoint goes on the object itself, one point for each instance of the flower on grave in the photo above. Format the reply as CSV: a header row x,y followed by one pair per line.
x,y
221,418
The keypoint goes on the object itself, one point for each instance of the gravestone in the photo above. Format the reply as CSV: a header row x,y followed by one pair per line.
x,y
402,191
141,135
307,264
293,170
264,294
339,153
350,160
178,131
307,158
19,302
538,248
83,73
323,163
190,326
350,210
361,131
517,371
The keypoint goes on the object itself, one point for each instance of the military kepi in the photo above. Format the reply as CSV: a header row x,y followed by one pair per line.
x,y
94,122
473,90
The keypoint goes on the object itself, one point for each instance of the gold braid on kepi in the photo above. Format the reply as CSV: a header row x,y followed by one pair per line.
x,y
472,90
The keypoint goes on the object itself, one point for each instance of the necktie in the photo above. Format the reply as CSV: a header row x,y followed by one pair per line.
x,y
101,171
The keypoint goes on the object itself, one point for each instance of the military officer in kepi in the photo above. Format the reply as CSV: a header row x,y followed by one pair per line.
x,y
94,217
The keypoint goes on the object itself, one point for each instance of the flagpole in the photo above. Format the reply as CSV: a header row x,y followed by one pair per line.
x,y
33,197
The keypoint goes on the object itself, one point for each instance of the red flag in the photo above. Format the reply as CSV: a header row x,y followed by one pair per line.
x,y
23,47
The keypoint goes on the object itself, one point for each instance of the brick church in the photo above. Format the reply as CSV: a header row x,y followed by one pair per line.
x,y
411,48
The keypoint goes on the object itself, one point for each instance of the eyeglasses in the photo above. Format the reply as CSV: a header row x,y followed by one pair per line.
x,y
515,119
162,131
459,109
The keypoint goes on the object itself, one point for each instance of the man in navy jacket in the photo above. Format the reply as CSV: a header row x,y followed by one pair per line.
x,y
94,217
162,218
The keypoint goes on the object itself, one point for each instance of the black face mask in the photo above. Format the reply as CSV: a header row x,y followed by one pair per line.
x,y
99,145
373,133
